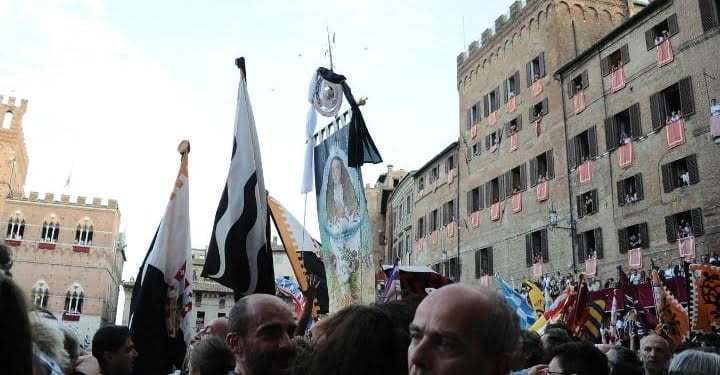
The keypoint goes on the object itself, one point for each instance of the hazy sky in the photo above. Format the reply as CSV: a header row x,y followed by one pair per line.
x,y
115,85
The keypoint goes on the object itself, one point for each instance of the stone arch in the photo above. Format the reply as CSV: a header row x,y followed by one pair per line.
x,y
84,232
605,16
548,10
522,31
531,24
592,13
619,17
50,229
564,8
74,298
578,11
16,226
540,16
40,294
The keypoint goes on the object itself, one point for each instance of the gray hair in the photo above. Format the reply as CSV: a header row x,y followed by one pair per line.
x,y
695,362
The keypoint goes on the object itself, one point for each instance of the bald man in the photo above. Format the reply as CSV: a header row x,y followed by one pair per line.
x,y
261,335
654,354
461,330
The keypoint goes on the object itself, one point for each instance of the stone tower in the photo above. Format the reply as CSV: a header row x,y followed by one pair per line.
x,y
13,153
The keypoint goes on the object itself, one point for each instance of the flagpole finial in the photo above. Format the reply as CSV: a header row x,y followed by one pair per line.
x,y
240,63
184,147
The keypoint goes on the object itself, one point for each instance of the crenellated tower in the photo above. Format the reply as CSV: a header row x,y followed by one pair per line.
x,y
13,153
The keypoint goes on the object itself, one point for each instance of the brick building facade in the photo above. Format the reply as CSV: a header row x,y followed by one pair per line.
x,y
626,86
68,253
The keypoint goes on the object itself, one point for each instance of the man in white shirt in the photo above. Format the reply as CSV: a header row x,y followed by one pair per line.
x,y
685,178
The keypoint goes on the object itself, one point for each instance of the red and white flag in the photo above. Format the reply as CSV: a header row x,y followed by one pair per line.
x,y
475,219
495,212
686,247
579,101
492,119
675,133
585,172
617,79
541,191
512,104
625,155
517,202
665,53
514,141
537,87
635,258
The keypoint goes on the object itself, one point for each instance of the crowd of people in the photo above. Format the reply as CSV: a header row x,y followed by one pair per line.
x,y
456,329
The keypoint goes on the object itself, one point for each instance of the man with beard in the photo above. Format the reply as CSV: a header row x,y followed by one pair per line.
x,y
261,335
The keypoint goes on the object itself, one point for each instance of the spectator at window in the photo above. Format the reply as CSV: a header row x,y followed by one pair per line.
x,y
714,108
669,271
635,241
511,94
513,128
675,116
537,77
625,139
541,179
684,178
588,205
659,39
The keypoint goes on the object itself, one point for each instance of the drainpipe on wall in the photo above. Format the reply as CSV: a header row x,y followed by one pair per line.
x,y
567,164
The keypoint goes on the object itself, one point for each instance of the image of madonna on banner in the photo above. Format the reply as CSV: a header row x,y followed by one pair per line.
x,y
343,220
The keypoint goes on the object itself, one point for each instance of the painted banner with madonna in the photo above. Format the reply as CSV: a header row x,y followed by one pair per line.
x,y
343,219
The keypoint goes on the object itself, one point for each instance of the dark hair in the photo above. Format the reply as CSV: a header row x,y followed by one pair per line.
x,y
6,262
552,338
401,312
212,356
361,340
626,362
581,358
108,339
238,319
15,329
531,349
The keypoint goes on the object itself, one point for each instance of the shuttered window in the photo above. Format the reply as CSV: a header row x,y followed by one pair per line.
x,y
587,203
536,243
483,262
619,57
535,69
580,81
709,13
475,199
678,97
668,25
680,173
516,179
582,147
589,242
634,236
542,165
623,124
538,110
511,85
692,219
630,190
513,125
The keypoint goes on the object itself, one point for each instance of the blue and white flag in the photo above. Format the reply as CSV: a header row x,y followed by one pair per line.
x,y
390,282
239,254
518,303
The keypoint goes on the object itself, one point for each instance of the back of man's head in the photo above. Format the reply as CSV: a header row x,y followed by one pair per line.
x,y
580,358
108,339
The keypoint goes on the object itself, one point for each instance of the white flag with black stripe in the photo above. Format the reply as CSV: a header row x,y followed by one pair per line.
x,y
239,254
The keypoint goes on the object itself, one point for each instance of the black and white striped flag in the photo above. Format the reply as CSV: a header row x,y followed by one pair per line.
x,y
239,255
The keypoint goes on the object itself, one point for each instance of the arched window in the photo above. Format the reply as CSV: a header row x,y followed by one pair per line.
x,y
50,229
84,232
74,299
7,120
40,294
16,226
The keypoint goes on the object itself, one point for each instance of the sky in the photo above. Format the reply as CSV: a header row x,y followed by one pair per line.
x,y
114,86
